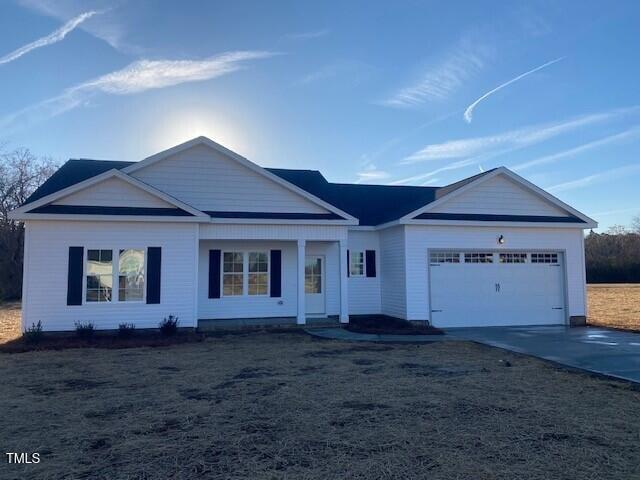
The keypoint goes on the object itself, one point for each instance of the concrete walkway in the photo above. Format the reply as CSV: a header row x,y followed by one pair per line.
x,y
342,334
599,350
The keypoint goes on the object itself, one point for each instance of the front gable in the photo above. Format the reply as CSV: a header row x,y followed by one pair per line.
x,y
500,196
113,192
214,179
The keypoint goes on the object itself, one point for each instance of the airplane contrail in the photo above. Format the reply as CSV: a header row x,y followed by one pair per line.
x,y
54,37
468,113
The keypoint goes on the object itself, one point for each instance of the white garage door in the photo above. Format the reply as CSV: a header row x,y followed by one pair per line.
x,y
487,288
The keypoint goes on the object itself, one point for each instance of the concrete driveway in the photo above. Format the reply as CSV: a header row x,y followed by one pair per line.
x,y
599,350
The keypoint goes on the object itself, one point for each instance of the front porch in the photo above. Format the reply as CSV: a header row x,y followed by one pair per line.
x,y
270,280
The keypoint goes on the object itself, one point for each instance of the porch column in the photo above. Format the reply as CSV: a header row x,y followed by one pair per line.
x,y
302,316
344,291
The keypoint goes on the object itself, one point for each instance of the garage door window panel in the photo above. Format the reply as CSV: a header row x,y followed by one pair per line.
x,y
544,258
478,257
513,258
444,257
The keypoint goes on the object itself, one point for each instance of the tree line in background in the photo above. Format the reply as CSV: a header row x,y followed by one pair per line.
x,y
614,256
611,257
21,172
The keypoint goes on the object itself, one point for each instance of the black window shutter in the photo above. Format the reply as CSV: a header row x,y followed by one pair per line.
x,y
370,256
276,273
214,273
348,265
154,274
74,276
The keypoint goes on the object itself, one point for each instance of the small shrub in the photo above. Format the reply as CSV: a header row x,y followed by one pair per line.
x,y
126,330
84,330
33,334
169,326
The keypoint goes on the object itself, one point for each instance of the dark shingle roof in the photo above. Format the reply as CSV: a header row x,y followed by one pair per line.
x,y
72,172
370,204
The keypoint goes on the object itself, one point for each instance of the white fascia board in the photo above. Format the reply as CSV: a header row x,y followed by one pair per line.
x,y
105,218
284,221
243,161
20,212
473,223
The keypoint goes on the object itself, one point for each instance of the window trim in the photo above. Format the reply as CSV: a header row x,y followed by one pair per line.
x,y
352,254
115,274
245,273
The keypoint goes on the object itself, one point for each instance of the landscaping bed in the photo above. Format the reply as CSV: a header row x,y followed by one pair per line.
x,y
60,341
386,325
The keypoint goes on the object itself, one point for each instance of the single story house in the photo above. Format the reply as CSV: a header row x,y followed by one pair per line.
x,y
200,232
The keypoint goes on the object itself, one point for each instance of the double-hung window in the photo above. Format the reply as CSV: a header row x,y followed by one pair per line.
x,y
131,275
258,273
356,263
245,272
101,275
233,273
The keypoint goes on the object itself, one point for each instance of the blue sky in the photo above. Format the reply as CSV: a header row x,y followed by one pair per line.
x,y
403,92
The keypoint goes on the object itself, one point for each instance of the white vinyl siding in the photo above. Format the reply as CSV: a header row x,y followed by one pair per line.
x,y
393,272
47,269
364,292
499,196
209,180
421,239
114,192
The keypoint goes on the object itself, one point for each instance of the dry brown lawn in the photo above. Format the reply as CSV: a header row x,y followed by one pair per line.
x,y
288,406
614,305
10,315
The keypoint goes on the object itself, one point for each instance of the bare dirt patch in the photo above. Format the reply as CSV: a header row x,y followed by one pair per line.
x,y
265,406
614,305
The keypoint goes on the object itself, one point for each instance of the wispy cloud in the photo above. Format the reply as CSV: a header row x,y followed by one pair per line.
x,y
601,177
424,177
442,79
308,35
616,211
494,145
135,78
629,134
468,113
54,37
371,173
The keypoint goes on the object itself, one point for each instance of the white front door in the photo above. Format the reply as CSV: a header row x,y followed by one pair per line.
x,y
486,288
314,284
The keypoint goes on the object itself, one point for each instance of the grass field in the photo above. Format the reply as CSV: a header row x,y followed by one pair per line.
x,y
285,405
9,321
614,305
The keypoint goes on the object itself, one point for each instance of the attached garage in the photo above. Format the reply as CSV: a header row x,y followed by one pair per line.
x,y
492,288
